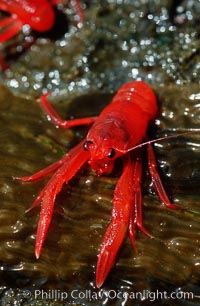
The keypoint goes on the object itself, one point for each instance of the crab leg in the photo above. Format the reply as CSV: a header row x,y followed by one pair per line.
x,y
48,170
13,26
57,120
157,180
66,171
136,209
44,172
6,21
123,198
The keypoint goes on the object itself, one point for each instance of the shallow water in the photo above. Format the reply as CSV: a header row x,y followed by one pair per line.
x,y
120,41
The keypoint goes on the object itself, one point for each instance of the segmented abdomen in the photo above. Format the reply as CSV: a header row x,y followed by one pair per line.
x,y
138,93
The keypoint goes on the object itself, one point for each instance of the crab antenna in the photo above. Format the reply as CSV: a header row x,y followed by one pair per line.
x,y
158,139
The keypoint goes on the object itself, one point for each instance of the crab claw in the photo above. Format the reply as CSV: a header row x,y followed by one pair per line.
x,y
64,170
126,214
111,243
114,236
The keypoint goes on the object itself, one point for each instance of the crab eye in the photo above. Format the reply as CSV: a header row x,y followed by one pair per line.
x,y
86,145
111,154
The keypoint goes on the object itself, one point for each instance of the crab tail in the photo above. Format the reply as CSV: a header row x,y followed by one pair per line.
x,y
78,156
